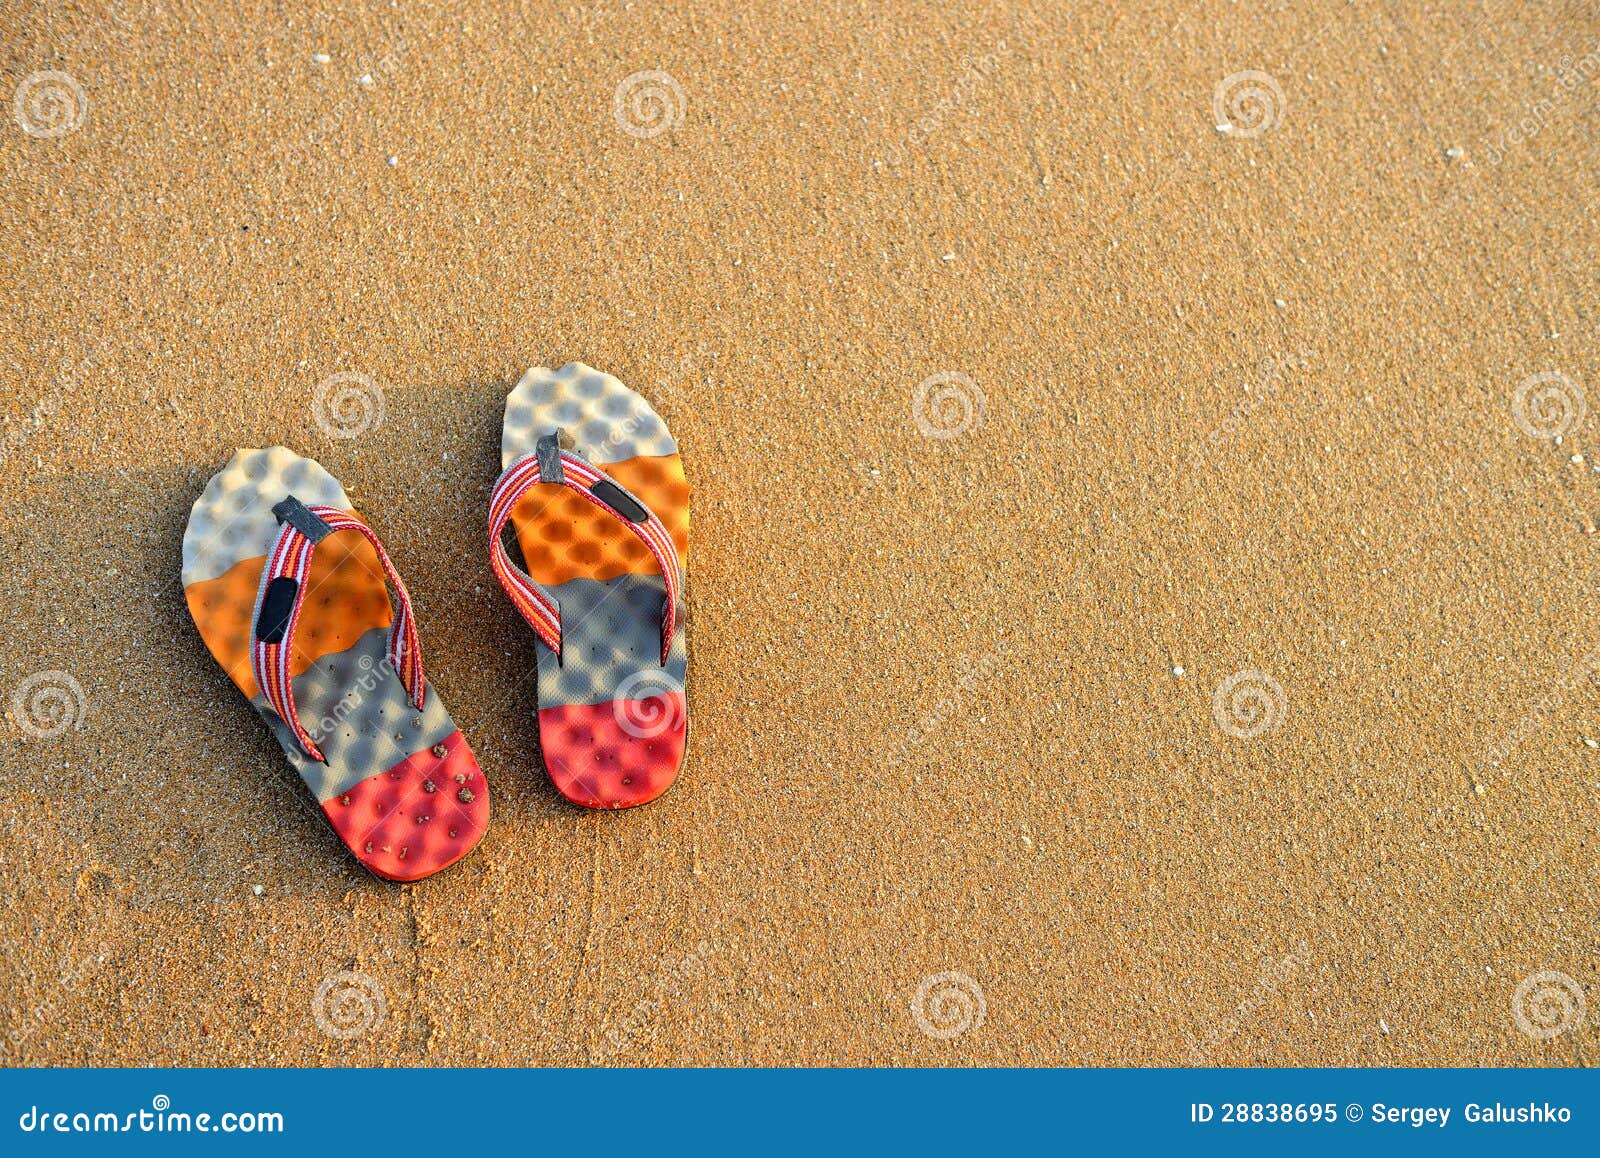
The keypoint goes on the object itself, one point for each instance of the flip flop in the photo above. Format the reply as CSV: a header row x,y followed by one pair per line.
x,y
594,489
303,625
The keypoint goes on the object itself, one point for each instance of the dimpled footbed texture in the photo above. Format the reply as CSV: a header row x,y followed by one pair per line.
x,y
381,752
611,717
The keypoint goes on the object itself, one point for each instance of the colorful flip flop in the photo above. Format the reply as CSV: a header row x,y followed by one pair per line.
x,y
303,625
594,488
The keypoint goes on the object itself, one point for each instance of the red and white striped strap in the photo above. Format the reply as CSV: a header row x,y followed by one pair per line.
x,y
551,464
282,594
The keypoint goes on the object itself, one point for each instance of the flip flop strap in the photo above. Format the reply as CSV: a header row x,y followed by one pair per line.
x,y
283,592
550,464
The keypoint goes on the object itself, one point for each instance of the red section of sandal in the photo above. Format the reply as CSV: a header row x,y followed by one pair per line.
x,y
615,755
422,815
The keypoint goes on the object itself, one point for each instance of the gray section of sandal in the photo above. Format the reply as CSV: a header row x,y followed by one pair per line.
x,y
357,711
606,421
610,643
232,520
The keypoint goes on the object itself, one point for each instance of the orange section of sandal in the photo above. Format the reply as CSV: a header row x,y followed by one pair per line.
x,y
565,537
345,599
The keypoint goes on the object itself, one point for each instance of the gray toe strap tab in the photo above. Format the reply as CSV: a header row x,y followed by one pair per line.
x,y
548,452
298,516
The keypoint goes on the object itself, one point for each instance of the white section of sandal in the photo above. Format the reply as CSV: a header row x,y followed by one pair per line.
x,y
232,520
606,421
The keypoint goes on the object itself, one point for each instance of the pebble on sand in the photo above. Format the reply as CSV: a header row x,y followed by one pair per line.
x,y
257,890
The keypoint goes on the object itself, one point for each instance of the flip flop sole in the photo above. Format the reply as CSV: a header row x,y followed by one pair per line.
x,y
400,786
612,718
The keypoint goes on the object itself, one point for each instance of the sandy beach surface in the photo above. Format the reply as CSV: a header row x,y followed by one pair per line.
x,y
1142,585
